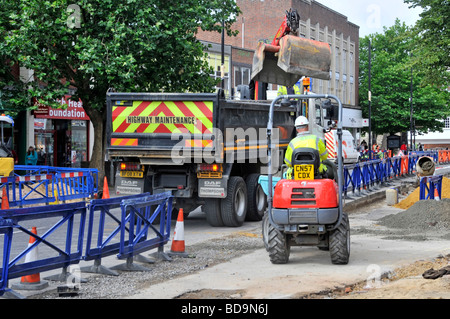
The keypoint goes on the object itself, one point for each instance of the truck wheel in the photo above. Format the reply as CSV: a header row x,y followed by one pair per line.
x,y
234,206
213,212
256,198
265,231
277,244
339,240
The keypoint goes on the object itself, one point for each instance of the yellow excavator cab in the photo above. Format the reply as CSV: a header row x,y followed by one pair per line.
x,y
6,166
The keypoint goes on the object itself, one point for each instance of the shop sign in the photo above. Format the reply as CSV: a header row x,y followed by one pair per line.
x,y
73,110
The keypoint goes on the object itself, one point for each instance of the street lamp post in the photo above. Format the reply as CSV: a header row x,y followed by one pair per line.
x,y
370,102
411,117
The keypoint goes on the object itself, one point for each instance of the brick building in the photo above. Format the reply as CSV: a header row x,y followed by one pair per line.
x,y
260,20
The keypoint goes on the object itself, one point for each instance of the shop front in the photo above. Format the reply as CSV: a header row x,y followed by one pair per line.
x,y
61,136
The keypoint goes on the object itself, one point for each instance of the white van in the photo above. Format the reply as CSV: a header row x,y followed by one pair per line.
x,y
349,152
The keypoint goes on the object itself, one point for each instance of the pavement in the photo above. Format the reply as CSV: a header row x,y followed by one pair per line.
x,y
309,269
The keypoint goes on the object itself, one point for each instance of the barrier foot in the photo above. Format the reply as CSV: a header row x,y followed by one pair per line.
x,y
143,259
130,266
11,294
98,268
356,194
161,255
64,276
347,196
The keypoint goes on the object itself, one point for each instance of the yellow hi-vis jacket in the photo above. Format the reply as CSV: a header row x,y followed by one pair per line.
x,y
282,90
306,139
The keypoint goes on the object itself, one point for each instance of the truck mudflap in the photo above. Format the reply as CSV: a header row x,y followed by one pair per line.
x,y
213,188
129,186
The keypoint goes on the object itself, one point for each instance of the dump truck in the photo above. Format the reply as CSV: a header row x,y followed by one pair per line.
x,y
208,150
205,149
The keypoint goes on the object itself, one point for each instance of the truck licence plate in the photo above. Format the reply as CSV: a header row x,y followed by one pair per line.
x,y
304,171
135,174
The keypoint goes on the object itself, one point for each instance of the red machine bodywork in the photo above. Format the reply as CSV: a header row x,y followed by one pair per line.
x,y
319,193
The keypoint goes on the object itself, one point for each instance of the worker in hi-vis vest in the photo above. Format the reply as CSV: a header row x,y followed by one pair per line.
x,y
305,139
283,90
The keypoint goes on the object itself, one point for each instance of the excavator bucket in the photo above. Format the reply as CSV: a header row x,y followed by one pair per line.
x,y
294,58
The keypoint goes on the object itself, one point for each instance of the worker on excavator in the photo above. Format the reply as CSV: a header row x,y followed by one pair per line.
x,y
305,139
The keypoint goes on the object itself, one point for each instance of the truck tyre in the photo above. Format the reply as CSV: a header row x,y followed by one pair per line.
x,y
213,212
265,231
277,244
234,206
339,242
256,198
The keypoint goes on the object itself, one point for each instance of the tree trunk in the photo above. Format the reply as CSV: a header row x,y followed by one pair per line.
x,y
98,151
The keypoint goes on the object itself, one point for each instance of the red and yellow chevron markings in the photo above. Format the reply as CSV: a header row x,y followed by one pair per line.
x,y
124,141
330,144
193,117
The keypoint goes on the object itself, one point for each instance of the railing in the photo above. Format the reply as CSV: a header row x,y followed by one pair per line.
x,y
32,185
367,176
430,187
135,233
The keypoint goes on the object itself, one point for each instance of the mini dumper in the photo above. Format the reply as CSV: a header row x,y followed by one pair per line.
x,y
307,209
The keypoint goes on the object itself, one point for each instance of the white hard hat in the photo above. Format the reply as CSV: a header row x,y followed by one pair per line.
x,y
301,120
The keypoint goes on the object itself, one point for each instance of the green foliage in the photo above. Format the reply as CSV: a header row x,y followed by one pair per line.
x,y
391,82
13,94
96,45
432,50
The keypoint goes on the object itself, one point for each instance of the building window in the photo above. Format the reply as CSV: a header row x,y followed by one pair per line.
x,y
241,76
337,60
215,61
447,122
344,62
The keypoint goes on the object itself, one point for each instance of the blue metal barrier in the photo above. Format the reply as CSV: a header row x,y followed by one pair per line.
x,y
139,215
12,219
6,228
428,186
369,175
99,210
58,183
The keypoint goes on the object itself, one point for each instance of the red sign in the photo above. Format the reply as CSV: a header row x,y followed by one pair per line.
x,y
73,110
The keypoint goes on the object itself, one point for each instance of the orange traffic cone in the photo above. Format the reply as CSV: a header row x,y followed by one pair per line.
x,y
5,202
31,282
105,194
436,194
178,247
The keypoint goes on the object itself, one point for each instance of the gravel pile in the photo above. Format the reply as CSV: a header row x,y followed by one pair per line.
x,y
422,216
201,255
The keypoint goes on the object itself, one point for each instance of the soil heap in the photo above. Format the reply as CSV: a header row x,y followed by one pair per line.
x,y
414,196
424,215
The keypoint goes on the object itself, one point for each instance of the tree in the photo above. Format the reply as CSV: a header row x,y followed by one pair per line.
x,y
99,45
13,93
391,84
432,50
